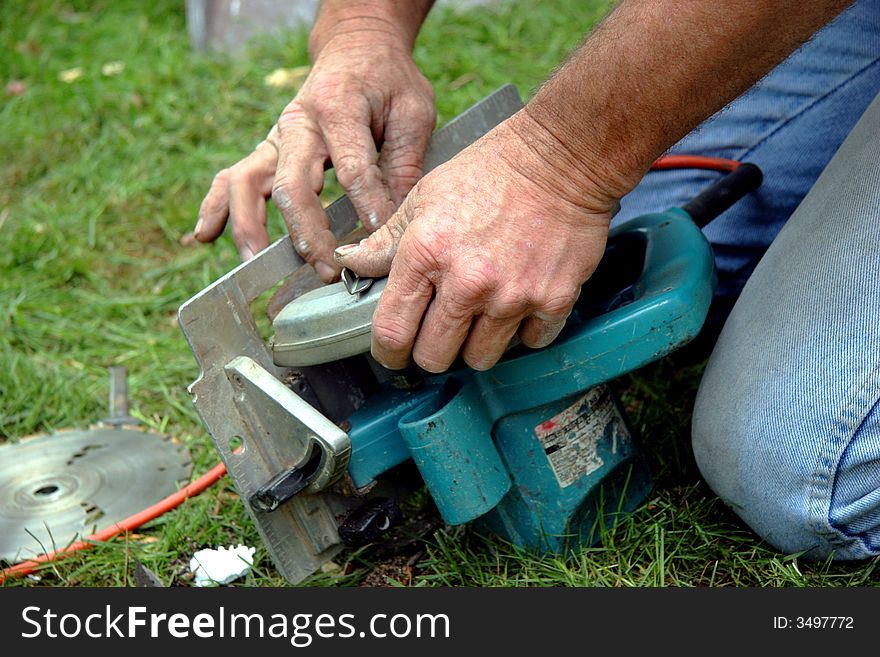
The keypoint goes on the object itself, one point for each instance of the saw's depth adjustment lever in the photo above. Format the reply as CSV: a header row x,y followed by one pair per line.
x,y
286,484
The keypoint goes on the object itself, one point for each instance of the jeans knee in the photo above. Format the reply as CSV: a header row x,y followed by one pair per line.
x,y
801,491
729,451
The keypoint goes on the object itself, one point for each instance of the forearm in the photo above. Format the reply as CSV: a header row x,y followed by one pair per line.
x,y
652,71
380,20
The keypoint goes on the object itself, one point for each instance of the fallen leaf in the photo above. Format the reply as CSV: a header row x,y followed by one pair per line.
x,y
143,538
15,88
71,75
29,47
287,77
112,68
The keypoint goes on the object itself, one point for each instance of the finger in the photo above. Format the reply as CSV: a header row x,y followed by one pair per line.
x,y
299,179
374,256
444,329
248,212
355,159
541,329
256,169
249,184
214,209
398,316
488,339
407,134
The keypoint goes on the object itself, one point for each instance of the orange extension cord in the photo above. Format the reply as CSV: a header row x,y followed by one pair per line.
x,y
694,162
209,478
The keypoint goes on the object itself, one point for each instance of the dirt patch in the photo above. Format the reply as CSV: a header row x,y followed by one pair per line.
x,y
399,569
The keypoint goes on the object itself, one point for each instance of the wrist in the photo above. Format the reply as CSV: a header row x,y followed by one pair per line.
x,y
368,23
571,170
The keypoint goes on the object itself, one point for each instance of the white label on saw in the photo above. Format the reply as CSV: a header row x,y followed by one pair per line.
x,y
570,439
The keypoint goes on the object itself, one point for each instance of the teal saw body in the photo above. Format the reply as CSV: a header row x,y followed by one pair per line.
x,y
537,448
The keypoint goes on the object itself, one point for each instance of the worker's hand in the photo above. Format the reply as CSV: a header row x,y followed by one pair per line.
x,y
498,240
363,94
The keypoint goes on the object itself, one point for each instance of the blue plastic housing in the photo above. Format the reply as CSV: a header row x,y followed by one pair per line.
x,y
473,434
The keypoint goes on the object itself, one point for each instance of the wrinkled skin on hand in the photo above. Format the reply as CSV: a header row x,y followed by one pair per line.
x,y
357,100
496,241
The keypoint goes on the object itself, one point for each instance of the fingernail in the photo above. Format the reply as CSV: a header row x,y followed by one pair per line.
x,y
197,228
379,359
345,250
325,271
246,253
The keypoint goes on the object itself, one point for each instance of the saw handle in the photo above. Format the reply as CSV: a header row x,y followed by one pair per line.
x,y
718,197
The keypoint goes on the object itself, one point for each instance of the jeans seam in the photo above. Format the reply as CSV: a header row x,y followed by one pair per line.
x,y
806,108
863,398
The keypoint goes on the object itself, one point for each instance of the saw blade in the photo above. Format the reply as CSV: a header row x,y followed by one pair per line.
x,y
61,487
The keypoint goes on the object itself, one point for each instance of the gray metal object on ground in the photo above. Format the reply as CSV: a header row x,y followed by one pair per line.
x,y
119,414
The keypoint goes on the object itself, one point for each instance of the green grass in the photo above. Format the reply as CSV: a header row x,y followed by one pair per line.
x,y
101,178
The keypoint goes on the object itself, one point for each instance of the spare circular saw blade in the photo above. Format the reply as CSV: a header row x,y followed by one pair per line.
x,y
58,488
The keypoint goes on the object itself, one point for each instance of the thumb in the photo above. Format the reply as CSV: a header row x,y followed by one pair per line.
x,y
372,257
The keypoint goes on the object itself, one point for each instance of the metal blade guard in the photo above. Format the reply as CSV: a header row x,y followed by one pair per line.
x,y
536,449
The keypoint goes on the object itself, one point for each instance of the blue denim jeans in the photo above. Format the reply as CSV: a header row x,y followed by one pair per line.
x,y
786,425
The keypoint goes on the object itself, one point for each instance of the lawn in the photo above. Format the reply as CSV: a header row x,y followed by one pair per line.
x,y
111,132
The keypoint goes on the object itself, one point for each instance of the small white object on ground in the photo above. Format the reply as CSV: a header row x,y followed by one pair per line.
x,y
221,566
